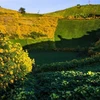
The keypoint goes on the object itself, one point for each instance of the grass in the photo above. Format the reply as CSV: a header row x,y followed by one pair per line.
x,y
23,25
32,15
7,11
77,10
69,29
20,25
47,57
28,41
74,33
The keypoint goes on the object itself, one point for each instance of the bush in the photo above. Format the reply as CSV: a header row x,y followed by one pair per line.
x,y
68,85
35,35
23,90
22,10
14,62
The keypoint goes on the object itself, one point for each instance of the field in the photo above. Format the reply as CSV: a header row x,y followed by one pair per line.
x,y
46,57
66,48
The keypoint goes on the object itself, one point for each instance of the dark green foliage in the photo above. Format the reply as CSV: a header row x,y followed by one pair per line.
x,y
78,5
97,45
74,33
35,35
45,45
51,56
26,90
15,64
14,36
20,90
68,65
71,29
69,85
22,10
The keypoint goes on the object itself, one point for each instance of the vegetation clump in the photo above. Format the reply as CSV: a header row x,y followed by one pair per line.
x,y
22,10
14,62
68,85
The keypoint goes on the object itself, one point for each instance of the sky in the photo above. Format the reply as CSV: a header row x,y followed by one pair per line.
x,y
43,6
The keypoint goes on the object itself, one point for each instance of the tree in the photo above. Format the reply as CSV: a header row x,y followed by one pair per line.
x,y
78,5
22,10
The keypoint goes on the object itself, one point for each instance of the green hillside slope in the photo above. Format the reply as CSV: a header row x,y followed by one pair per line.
x,y
77,10
73,33
74,22
69,29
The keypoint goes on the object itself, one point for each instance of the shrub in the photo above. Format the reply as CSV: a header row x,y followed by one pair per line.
x,y
68,85
37,35
24,90
14,62
78,5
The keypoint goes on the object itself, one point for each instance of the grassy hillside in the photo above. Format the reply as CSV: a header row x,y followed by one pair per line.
x,y
14,24
77,10
69,29
72,33
7,11
65,23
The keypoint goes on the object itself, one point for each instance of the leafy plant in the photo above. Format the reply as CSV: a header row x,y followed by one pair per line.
x,y
14,62
68,85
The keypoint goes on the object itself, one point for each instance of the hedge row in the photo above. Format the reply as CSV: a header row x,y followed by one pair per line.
x,y
67,65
